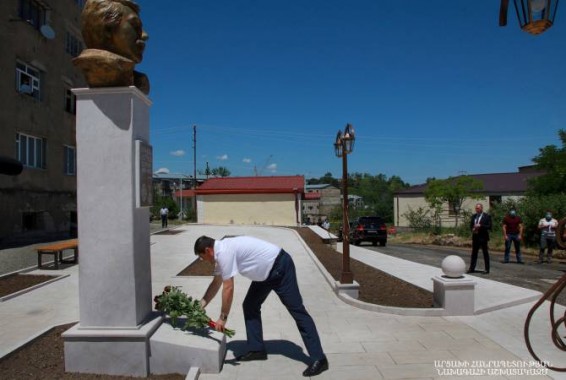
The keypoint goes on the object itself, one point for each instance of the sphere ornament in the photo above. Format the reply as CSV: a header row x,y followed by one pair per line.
x,y
453,266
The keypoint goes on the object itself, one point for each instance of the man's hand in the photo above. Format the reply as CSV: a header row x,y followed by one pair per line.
x,y
220,325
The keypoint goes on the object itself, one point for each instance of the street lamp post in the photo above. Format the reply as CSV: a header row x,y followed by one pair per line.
x,y
343,146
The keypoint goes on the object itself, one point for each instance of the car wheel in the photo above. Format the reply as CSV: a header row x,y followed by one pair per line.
x,y
382,243
357,242
374,243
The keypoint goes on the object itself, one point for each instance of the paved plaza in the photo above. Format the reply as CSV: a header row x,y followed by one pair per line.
x,y
359,343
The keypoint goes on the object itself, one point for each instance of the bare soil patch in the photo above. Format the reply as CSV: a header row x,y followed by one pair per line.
x,y
16,282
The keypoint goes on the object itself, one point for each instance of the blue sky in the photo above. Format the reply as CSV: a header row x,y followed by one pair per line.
x,y
432,88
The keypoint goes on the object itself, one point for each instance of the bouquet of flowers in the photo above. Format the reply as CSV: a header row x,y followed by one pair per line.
x,y
175,303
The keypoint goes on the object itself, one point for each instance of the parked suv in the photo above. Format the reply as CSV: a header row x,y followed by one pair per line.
x,y
369,228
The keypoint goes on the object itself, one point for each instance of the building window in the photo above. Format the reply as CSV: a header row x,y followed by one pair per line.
x,y
30,151
495,200
70,160
27,80
70,101
73,45
33,12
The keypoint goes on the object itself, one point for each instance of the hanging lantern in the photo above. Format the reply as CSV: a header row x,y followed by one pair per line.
x,y
535,16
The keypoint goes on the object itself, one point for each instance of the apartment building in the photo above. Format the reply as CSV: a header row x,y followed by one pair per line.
x,y
39,38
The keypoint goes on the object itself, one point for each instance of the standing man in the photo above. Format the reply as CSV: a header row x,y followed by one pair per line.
x,y
270,268
512,232
480,224
547,227
164,212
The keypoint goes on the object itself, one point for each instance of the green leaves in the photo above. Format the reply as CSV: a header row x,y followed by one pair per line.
x,y
551,160
177,304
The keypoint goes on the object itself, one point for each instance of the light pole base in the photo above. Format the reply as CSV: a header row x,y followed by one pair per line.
x,y
352,290
347,278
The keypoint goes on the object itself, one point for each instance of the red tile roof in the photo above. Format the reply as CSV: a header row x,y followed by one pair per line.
x,y
312,196
253,185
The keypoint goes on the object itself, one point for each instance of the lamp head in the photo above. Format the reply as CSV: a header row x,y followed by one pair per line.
x,y
338,145
349,138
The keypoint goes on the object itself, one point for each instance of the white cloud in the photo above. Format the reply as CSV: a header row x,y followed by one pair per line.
x,y
224,157
247,160
272,168
178,153
162,171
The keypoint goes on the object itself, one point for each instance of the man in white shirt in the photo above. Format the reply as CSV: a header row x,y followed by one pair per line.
x,y
164,212
270,268
547,227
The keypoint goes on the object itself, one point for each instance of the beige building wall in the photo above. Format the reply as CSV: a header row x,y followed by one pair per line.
x,y
40,203
250,209
402,205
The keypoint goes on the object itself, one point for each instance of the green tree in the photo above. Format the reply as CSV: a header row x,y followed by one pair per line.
x,y
453,190
159,201
551,160
220,171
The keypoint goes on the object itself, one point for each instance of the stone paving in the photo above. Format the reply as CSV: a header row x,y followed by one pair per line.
x,y
359,344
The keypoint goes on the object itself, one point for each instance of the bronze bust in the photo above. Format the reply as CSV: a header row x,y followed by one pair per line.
x,y
115,41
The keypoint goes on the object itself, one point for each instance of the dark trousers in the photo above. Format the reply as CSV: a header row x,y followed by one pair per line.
x,y
163,221
476,245
283,280
512,238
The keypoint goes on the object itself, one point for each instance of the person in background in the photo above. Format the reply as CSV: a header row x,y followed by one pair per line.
x,y
512,233
547,227
164,212
480,224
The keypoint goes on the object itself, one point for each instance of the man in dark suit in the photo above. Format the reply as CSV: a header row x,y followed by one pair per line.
x,y
480,224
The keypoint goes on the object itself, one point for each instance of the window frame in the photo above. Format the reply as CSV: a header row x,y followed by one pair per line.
x,y
33,76
70,101
70,165
73,44
33,12
31,151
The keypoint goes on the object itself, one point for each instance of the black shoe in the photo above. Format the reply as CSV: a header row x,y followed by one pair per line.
x,y
316,368
485,272
520,262
470,271
252,355
505,262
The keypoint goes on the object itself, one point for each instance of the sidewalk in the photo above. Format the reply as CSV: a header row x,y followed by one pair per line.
x,y
360,344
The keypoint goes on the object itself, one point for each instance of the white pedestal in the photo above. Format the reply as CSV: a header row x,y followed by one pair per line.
x,y
455,295
113,218
109,351
175,351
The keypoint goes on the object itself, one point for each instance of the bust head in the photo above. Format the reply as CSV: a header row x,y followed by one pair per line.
x,y
115,26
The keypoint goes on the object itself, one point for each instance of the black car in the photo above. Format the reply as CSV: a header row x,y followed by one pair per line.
x,y
367,228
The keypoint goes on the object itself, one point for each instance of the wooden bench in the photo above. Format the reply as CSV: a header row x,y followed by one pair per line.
x,y
56,250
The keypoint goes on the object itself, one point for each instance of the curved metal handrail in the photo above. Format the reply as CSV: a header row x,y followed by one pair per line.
x,y
553,292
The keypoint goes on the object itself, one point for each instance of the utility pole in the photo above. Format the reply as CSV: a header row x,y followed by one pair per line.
x,y
194,156
195,168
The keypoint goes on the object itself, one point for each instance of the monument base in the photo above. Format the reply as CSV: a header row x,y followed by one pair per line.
x,y
109,351
175,351
454,295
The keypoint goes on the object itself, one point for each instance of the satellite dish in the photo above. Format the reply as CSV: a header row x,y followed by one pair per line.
x,y
47,31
